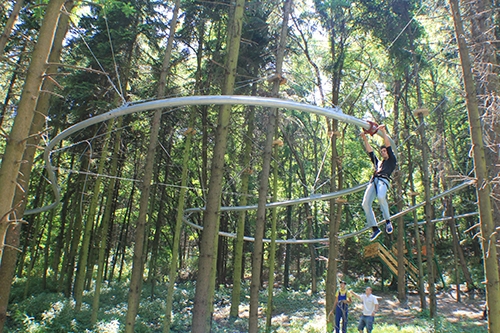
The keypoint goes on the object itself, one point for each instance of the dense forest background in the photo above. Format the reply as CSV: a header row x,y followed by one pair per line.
x,y
109,213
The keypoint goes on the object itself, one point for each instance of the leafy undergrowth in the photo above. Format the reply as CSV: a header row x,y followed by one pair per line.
x,y
293,311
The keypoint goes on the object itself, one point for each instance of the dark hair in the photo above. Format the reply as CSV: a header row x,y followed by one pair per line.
x,y
342,282
382,147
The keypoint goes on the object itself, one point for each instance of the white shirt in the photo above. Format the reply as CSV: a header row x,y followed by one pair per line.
x,y
369,303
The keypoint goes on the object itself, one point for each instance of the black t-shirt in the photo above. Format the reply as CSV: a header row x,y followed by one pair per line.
x,y
387,166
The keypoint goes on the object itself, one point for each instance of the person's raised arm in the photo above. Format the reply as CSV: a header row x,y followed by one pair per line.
x,y
355,295
387,142
368,148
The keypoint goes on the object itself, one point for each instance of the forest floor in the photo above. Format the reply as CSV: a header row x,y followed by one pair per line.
x,y
294,311
469,309
393,316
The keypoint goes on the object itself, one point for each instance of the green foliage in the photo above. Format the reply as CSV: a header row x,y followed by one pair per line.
x,y
293,311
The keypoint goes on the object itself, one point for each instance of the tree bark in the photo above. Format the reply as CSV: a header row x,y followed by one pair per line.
x,y
240,229
4,37
253,321
483,180
429,227
398,180
106,219
202,311
139,249
15,148
89,225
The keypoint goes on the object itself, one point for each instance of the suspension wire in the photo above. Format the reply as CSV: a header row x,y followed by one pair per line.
x,y
99,63
406,26
89,173
113,55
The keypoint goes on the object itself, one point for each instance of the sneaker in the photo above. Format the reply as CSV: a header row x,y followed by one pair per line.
x,y
388,227
375,234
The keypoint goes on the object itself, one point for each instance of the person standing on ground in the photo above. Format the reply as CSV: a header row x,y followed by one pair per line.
x,y
370,308
379,183
341,306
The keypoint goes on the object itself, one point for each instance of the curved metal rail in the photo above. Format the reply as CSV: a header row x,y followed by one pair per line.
x,y
326,197
335,113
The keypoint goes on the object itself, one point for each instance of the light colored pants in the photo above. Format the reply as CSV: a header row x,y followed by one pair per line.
x,y
376,189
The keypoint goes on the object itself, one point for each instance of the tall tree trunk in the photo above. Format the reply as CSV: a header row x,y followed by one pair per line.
x,y
253,321
136,280
335,219
337,46
15,149
429,227
416,227
398,180
483,180
240,228
106,219
81,269
16,142
272,245
484,28
172,275
46,251
139,249
203,303
289,223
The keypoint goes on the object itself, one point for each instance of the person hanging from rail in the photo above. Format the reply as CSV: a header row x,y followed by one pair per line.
x,y
379,183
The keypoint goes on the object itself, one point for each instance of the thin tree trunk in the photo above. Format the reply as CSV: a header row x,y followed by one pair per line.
x,y
451,224
75,232
429,227
272,246
253,322
4,37
335,219
240,228
89,224
418,242
483,181
10,90
31,229
288,247
172,275
398,180
136,280
139,249
60,242
106,219
122,239
203,304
